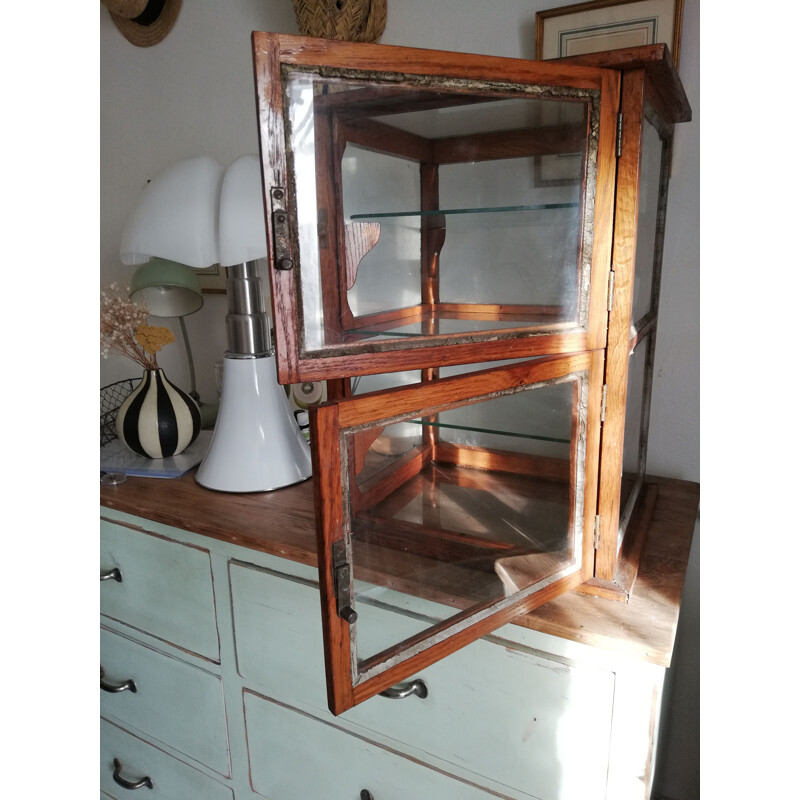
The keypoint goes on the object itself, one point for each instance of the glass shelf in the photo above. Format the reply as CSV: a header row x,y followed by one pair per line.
x,y
468,324
498,432
492,210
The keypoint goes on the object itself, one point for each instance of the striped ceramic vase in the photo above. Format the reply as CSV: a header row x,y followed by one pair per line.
x,y
157,419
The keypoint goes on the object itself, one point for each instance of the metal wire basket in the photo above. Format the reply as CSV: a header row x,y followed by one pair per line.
x,y
111,398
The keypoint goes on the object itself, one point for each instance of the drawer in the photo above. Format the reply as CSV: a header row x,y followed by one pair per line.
x,y
278,634
525,719
294,756
529,721
172,779
175,703
166,588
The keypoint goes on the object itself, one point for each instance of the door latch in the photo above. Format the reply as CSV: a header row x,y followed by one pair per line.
x,y
342,583
281,240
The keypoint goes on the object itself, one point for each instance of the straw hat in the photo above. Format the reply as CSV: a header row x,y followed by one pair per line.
x,y
143,22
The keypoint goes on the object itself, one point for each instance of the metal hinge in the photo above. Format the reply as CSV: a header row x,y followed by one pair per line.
x,y
619,134
610,290
603,403
597,532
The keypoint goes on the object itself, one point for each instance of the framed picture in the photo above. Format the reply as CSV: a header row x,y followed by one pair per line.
x,y
212,279
608,25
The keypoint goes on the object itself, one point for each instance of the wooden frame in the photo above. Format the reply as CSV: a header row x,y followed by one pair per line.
x,y
335,430
601,25
624,515
277,54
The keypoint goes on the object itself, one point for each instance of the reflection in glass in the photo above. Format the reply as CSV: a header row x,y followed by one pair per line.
x,y
459,509
634,450
647,226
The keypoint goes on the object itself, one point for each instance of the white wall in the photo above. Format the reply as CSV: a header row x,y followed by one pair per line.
x,y
192,94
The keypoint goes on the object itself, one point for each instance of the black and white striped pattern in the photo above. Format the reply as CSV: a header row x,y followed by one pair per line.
x,y
158,419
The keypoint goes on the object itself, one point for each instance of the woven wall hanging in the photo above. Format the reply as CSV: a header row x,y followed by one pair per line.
x,y
348,20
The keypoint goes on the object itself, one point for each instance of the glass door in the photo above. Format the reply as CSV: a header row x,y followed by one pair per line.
x,y
431,207
464,501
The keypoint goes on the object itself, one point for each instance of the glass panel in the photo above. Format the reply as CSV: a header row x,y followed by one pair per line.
x,y
634,449
524,251
647,228
456,510
638,389
424,212
396,257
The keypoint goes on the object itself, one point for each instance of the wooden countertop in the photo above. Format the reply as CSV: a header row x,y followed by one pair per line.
x,y
282,523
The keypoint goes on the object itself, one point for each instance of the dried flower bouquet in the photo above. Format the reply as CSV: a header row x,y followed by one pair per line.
x,y
124,329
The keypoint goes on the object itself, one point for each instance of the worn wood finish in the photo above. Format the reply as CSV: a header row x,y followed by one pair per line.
x,y
447,392
617,352
282,523
657,62
269,106
603,227
347,55
328,500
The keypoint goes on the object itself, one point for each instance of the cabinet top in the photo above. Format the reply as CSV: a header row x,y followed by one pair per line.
x,y
656,61
282,523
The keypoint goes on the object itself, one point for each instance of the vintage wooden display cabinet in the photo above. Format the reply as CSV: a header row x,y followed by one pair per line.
x,y
468,249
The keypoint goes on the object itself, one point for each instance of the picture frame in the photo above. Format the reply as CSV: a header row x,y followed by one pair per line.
x,y
599,25
212,279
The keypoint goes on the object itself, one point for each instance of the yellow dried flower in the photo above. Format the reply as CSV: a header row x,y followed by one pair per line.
x,y
152,338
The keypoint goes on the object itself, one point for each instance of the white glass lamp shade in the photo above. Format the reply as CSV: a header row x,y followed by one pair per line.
x,y
177,216
242,230
166,288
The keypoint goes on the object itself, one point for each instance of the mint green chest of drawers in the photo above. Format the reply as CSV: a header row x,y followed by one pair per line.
x,y
212,686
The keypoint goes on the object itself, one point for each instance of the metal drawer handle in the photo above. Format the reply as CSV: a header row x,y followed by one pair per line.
x,y
146,781
403,690
125,686
111,575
